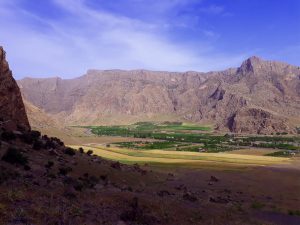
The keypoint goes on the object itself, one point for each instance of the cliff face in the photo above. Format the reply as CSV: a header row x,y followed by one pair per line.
x,y
12,110
258,97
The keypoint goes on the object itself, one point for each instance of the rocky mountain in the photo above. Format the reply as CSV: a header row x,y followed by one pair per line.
x,y
12,110
258,97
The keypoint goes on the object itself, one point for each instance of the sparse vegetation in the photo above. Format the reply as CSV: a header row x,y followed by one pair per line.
x,y
70,151
65,170
15,156
149,145
49,164
6,174
81,150
37,145
8,135
257,205
294,212
280,154
89,152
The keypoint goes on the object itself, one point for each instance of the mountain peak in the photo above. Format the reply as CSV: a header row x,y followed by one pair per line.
x,y
252,64
254,58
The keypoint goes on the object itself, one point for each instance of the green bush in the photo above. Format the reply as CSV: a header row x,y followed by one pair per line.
x,y
89,152
37,145
81,150
294,212
8,135
70,151
49,164
257,205
14,156
6,174
30,136
65,170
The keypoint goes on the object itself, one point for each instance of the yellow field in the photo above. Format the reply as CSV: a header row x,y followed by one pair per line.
x,y
183,158
253,151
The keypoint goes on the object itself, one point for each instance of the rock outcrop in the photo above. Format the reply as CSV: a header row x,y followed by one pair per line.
x,y
249,119
231,99
12,110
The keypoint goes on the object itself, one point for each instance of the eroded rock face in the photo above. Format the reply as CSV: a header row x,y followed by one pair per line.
x,y
258,120
12,110
245,94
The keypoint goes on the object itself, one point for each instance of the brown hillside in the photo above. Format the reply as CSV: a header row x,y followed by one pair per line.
x,y
228,99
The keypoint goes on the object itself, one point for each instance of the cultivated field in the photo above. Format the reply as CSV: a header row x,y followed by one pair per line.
x,y
187,159
181,144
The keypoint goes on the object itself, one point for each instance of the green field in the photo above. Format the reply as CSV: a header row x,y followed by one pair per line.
x,y
191,137
190,145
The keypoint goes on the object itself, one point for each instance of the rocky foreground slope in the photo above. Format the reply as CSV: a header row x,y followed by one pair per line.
x,y
258,97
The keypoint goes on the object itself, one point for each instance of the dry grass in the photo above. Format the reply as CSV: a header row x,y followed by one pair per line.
x,y
253,151
186,158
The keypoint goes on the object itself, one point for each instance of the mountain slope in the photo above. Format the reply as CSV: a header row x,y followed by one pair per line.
x,y
258,97
12,110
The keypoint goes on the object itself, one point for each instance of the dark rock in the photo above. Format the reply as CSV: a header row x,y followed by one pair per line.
x,y
214,179
219,200
190,197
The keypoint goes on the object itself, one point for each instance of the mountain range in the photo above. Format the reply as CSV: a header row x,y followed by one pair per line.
x,y
260,97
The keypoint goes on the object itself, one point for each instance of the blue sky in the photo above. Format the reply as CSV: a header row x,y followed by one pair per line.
x,y
67,37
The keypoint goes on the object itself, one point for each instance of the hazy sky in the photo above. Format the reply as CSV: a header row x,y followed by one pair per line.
x,y
66,37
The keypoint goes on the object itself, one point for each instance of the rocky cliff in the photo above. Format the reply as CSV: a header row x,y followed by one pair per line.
x,y
12,110
258,97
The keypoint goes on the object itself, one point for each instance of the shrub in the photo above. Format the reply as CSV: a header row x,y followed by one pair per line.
x,y
14,156
89,152
45,137
6,174
49,164
257,205
31,136
26,167
49,144
70,151
57,140
35,134
81,150
294,212
27,138
65,170
8,135
37,145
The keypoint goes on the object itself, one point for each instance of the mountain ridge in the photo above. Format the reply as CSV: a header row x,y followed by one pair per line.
x,y
251,59
259,90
